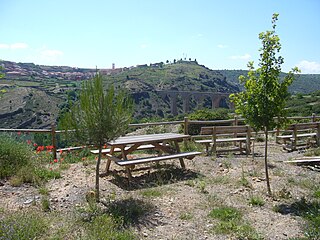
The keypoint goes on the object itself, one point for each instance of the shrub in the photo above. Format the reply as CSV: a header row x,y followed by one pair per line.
x,y
105,227
13,156
22,225
206,115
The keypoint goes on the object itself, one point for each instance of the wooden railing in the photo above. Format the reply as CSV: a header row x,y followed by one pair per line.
x,y
186,123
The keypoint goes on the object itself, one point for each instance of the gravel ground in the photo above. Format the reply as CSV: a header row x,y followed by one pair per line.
x,y
184,198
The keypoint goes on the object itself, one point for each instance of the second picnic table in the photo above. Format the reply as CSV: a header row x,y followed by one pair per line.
x,y
167,143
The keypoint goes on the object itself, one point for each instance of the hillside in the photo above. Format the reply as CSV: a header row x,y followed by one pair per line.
x,y
154,89
304,83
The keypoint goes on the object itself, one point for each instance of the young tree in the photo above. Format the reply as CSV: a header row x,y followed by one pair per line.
x,y
98,117
265,93
1,74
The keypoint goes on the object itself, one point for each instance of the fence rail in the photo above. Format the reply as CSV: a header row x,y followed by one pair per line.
x,y
186,123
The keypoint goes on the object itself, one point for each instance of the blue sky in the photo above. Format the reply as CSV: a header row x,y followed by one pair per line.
x,y
219,34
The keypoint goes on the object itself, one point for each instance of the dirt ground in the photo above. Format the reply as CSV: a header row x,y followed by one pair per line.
x,y
180,210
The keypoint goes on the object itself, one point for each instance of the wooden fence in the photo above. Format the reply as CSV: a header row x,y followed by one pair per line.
x,y
186,123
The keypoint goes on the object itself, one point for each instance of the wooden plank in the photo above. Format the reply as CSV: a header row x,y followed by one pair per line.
x,y
107,150
303,160
157,158
222,140
147,139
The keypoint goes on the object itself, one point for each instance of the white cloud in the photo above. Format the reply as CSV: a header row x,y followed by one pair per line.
x,y
13,46
309,67
222,46
18,46
246,56
4,46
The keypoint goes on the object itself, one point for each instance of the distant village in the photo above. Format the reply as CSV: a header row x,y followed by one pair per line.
x,y
31,71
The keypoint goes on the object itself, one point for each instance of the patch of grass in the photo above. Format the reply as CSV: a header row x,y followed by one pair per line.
x,y
23,225
190,183
13,156
283,193
312,152
220,180
190,146
256,201
316,193
225,213
186,216
306,183
231,222
202,186
106,227
130,210
45,204
43,191
47,174
227,163
151,193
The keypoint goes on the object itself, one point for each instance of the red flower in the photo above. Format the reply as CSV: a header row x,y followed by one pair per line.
x,y
35,144
29,141
56,160
19,133
60,151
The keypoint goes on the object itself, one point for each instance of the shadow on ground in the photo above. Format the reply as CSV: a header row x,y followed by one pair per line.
x,y
151,177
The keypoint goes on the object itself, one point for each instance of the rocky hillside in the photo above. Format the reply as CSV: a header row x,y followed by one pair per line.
x,y
33,96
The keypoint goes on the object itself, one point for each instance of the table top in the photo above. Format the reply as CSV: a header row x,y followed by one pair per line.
x,y
145,139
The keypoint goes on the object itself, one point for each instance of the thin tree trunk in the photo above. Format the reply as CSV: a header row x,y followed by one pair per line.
x,y
98,174
266,160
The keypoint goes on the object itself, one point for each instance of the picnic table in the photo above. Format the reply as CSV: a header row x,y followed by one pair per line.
x,y
166,144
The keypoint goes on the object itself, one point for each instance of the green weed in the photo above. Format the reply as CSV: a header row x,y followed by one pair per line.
x,y
256,201
231,222
151,193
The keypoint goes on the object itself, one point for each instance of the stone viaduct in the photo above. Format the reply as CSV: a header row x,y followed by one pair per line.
x,y
186,96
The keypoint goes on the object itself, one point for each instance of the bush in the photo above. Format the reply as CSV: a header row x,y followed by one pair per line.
x,y
13,156
207,115
22,225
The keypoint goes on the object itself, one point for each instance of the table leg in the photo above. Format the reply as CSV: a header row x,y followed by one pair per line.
x,y
109,160
128,168
178,151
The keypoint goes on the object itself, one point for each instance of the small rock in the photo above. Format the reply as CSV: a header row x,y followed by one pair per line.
x,y
1,184
145,234
28,201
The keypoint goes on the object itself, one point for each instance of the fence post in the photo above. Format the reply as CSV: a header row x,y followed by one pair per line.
x,y
235,123
278,127
186,127
54,144
313,117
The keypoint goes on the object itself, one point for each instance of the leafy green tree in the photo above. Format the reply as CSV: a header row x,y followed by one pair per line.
x,y
98,117
265,92
1,74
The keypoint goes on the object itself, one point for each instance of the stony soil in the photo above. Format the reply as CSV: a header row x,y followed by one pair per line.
x,y
181,211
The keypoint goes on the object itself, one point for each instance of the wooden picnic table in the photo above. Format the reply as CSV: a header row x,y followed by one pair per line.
x,y
167,143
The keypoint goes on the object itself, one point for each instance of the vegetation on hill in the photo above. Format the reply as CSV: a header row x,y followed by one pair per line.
x,y
303,83
34,96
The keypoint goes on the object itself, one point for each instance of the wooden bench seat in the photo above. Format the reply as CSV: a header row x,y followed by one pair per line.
x,y
302,135
188,155
238,135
